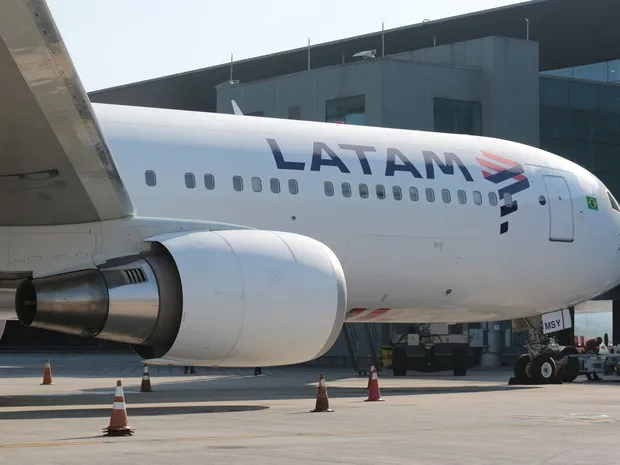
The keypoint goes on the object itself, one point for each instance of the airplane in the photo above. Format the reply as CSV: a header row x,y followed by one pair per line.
x,y
237,241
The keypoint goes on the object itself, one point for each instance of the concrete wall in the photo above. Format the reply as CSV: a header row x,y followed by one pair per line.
x,y
309,90
508,82
409,88
500,73
399,93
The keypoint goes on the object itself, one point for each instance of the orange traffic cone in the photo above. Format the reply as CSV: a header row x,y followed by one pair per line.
x,y
374,394
118,420
47,374
146,381
322,401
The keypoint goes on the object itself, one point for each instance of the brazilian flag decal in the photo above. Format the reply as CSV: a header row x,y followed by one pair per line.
x,y
592,203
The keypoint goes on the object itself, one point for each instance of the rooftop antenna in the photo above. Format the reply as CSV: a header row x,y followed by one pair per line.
x,y
382,39
527,29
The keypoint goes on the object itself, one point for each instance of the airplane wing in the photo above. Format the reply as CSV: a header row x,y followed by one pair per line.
x,y
55,165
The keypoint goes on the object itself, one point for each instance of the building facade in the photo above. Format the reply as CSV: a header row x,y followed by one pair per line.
x,y
485,86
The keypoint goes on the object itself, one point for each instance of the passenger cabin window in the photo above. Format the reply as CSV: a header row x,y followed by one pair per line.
x,y
492,199
190,180
257,185
275,185
397,193
477,198
293,186
346,189
612,200
329,189
363,191
150,178
380,192
445,196
461,196
413,194
209,182
430,194
238,183
508,199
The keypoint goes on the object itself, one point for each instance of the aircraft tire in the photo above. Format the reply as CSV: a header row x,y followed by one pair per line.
x,y
555,354
543,369
399,362
459,361
521,368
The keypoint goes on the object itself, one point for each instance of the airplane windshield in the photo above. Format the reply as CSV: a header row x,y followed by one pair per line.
x,y
612,200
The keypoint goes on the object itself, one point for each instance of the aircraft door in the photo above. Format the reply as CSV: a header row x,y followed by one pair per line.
x,y
561,219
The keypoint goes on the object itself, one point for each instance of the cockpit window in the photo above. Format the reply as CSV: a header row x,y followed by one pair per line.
x,y
614,203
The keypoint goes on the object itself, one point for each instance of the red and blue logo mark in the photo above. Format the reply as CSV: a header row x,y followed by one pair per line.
x,y
500,170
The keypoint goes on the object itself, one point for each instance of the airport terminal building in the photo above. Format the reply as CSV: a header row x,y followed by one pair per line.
x,y
545,73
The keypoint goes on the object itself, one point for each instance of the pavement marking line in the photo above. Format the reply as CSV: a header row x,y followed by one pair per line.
x,y
199,438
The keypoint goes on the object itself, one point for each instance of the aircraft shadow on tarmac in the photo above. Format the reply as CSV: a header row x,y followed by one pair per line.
x,y
125,366
195,391
65,413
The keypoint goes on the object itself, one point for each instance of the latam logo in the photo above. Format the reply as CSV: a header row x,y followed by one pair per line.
x,y
500,170
393,160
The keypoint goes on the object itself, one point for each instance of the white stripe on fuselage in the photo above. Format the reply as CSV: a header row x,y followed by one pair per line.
x,y
434,261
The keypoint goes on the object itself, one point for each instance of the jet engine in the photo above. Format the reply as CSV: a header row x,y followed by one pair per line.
x,y
235,298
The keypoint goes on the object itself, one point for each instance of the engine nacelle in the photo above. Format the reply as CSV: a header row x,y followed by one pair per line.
x,y
236,298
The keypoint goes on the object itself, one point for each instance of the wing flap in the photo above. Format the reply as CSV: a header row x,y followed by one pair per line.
x,y
55,165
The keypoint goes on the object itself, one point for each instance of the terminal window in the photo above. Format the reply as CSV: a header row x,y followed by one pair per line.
x,y
458,116
349,110
607,71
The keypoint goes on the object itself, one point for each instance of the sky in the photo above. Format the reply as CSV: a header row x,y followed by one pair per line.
x,y
114,42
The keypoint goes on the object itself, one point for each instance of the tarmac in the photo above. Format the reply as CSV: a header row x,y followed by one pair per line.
x,y
230,416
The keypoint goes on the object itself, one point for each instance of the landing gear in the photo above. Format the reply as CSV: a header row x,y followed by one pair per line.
x,y
541,369
544,363
459,360
399,361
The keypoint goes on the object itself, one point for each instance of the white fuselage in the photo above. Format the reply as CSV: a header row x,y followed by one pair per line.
x,y
424,261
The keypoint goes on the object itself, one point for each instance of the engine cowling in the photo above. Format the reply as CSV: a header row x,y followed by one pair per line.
x,y
236,298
